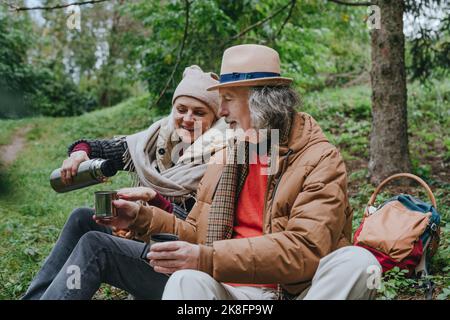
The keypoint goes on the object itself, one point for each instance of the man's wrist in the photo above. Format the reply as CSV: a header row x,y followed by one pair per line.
x,y
205,261
141,222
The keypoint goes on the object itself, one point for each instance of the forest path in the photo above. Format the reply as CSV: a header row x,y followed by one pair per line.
x,y
9,152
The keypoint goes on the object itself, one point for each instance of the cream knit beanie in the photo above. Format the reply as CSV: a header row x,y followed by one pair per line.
x,y
194,84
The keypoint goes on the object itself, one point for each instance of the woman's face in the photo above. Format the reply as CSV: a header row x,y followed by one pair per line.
x,y
192,118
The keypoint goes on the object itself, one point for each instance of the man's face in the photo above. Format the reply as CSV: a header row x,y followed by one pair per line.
x,y
234,107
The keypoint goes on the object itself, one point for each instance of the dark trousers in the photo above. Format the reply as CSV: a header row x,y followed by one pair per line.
x,y
85,256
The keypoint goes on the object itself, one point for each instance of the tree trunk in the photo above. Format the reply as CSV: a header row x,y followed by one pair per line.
x,y
389,151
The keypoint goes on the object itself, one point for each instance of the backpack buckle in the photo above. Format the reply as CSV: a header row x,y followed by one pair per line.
x,y
371,210
433,227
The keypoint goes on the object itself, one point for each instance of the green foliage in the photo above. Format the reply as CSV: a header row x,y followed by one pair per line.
x,y
428,104
165,21
421,170
445,294
312,45
447,149
16,78
57,95
51,70
442,257
428,48
394,282
345,119
27,89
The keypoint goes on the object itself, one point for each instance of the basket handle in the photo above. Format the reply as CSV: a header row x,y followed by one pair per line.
x,y
403,175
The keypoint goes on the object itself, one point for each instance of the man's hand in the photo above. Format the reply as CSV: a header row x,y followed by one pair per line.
x,y
139,193
168,257
126,213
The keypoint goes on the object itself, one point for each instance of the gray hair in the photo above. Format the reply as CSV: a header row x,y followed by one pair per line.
x,y
271,107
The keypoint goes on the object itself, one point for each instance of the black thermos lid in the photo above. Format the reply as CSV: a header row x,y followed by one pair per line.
x,y
108,169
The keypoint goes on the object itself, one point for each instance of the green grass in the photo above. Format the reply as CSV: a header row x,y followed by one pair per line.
x,y
33,214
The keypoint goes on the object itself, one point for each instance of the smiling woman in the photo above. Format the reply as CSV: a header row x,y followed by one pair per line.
x,y
154,154
192,118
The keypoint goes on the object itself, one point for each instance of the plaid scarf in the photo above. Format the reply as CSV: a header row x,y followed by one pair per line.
x,y
222,211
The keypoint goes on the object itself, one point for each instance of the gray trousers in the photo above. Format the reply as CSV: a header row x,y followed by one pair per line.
x,y
85,256
345,274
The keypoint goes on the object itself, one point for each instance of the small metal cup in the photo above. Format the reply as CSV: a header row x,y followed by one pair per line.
x,y
163,237
158,237
104,208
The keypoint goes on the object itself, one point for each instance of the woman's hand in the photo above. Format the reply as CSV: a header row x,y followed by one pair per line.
x,y
70,166
134,194
126,213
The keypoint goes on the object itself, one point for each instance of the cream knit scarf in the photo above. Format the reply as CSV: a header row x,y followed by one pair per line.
x,y
149,155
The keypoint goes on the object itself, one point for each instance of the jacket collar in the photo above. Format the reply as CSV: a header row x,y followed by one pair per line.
x,y
304,133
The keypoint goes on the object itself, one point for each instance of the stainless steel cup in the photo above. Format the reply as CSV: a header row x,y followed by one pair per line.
x,y
158,237
163,237
104,208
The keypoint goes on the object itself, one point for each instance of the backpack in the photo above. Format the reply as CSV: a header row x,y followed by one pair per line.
x,y
402,232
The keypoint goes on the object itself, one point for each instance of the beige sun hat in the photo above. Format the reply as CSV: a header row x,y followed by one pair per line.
x,y
250,65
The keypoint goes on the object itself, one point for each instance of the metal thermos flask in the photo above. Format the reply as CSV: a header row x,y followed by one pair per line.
x,y
89,172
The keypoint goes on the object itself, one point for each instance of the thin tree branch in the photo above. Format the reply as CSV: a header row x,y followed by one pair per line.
x,y
59,6
255,25
293,3
366,4
180,52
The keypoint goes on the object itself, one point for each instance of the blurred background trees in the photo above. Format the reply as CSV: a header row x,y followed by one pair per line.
x,y
127,47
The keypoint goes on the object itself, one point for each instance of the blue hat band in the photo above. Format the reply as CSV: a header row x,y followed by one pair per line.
x,y
236,76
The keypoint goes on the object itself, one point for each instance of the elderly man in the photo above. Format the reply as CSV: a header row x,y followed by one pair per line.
x,y
251,235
